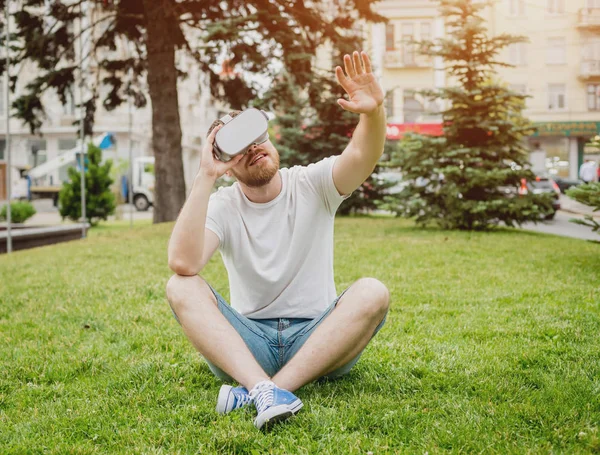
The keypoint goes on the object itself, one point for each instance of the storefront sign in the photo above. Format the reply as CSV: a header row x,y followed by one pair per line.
x,y
567,129
397,130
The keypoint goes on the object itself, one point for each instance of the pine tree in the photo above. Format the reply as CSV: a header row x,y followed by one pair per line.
x,y
469,177
99,199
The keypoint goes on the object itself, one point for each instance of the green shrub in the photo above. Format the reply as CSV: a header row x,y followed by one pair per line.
x,y
99,199
19,212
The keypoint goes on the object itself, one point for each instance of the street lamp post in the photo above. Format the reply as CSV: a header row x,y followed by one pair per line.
x,y
81,120
8,157
130,179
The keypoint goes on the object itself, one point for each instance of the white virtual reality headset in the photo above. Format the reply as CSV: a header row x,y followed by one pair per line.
x,y
241,132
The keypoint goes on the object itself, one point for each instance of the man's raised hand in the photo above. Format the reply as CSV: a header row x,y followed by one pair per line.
x,y
359,82
210,166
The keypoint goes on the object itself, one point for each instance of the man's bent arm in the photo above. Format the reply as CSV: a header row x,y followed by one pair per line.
x,y
186,246
360,157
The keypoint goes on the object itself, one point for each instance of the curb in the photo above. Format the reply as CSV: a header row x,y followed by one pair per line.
x,y
576,212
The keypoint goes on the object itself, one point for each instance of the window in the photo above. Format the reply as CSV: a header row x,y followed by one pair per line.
x,y
389,37
517,54
521,89
557,98
69,107
425,31
517,7
556,52
555,6
413,109
2,148
591,50
593,97
408,48
389,104
36,149
67,144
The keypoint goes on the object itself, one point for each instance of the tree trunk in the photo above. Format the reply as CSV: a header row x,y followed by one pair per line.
x,y
169,190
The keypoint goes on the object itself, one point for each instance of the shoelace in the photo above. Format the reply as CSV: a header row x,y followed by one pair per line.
x,y
242,399
262,394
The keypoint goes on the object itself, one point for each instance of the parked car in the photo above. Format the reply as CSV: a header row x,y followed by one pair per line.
x,y
564,184
542,185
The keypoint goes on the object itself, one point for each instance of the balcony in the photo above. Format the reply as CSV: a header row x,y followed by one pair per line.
x,y
402,59
590,70
589,18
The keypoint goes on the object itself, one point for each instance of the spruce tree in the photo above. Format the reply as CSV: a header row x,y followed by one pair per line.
x,y
470,177
99,199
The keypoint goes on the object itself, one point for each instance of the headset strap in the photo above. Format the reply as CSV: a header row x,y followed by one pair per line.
x,y
226,119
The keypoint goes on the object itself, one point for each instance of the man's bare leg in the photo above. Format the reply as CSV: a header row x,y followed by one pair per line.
x,y
209,331
340,337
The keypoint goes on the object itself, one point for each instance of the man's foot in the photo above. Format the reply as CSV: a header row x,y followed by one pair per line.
x,y
231,398
273,404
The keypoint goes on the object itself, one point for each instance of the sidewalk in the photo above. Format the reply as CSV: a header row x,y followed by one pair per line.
x,y
572,206
47,214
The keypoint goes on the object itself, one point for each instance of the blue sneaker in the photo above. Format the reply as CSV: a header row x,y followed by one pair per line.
x,y
273,404
231,398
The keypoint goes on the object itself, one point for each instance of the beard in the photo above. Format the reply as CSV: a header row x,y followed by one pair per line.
x,y
260,174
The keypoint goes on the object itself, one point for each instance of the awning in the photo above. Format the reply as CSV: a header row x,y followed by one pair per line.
x,y
397,130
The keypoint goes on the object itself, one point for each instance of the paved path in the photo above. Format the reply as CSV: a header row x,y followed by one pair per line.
x,y
561,225
47,214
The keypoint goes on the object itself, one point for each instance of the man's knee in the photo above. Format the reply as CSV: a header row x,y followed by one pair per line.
x,y
373,297
188,290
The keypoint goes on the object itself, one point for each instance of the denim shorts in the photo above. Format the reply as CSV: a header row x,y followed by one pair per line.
x,y
273,342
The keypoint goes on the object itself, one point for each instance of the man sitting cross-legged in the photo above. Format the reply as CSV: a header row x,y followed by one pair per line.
x,y
285,326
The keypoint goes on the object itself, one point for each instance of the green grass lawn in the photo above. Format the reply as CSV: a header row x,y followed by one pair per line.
x,y
492,345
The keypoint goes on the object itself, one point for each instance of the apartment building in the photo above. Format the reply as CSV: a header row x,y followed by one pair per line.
x,y
558,68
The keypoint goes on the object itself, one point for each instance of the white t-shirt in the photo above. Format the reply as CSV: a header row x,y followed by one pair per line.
x,y
279,255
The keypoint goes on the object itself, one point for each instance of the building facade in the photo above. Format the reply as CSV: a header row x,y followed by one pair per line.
x,y
558,69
